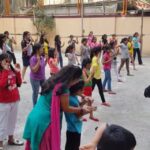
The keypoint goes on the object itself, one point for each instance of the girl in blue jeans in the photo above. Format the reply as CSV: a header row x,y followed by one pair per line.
x,y
37,74
107,59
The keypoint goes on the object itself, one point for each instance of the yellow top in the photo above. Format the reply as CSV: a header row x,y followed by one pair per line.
x,y
130,47
96,68
45,48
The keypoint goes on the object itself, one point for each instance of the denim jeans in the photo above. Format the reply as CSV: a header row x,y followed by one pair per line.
x,y
35,88
107,79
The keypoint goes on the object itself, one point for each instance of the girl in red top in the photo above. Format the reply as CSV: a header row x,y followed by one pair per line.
x,y
53,61
10,80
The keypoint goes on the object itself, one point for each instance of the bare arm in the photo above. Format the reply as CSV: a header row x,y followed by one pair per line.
x,y
35,68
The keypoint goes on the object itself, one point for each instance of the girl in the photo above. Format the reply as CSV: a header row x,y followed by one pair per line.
x,y
44,42
58,47
86,65
70,54
37,74
124,55
10,80
85,50
130,48
96,72
107,59
104,40
136,47
26,45
74,124
44,121
53,62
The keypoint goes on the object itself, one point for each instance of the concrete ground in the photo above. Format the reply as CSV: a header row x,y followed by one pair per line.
x,y
129,107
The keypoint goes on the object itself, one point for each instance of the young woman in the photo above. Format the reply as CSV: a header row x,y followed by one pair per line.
x,y
10,80
124,55
26,45
37,74
53,61
130,48
94,43
85,49
54,99
136,47
58,47
96,71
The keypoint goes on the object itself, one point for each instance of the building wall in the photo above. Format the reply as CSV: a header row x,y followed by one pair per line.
x,y
66,26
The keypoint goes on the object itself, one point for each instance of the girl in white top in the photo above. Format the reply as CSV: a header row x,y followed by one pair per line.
x,y
71,55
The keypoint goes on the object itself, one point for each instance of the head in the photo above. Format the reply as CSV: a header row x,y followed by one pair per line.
x,y
86,63
77,89
96,51
69,49
52,53
4,60
43,38
57,38
94,39
113,36
107,49
37,49
130,38
26,35
136,34
6,34
84,41
116,137
67,76
124,40
71,37
91,33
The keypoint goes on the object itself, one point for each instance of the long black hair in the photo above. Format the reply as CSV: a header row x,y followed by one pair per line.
x,y
42,40
2,36
68,49
36,47
64,76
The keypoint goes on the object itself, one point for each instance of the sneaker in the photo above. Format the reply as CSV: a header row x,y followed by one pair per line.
x,y
106,104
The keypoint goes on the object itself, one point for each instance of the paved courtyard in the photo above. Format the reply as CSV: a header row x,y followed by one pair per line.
x,y
128,108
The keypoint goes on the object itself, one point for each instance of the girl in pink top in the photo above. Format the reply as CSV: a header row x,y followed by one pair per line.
x,y
53,62
107,59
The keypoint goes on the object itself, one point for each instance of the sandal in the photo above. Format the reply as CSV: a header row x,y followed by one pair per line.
x,y
16,143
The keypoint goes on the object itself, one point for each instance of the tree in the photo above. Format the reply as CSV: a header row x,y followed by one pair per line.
x,y
42,22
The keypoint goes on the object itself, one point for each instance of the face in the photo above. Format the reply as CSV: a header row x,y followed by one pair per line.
x,y
41,51
88,66
5,63
126,42
80,91
28,36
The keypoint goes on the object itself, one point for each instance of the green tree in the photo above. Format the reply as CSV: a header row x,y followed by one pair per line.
x,y
42,21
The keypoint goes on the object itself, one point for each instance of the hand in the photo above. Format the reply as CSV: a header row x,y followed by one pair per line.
x,y
88,99
17,66
38,57
89,146
87,109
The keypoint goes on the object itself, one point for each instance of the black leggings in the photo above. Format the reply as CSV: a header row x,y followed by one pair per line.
x,y
98,82
72,140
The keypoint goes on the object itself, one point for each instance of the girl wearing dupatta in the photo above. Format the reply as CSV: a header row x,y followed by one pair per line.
x,y
43,125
